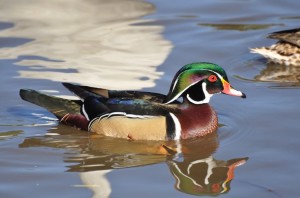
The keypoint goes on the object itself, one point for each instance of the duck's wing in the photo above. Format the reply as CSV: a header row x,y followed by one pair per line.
x,y
135,108
96,102
290,36
84,91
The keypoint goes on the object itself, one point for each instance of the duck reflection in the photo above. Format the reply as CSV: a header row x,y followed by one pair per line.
x,y
191,162
280,73
197,172
206,176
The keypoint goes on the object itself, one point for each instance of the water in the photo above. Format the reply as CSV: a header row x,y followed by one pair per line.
x,y
140,45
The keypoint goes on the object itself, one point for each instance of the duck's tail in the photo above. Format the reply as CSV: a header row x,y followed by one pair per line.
x,y
58,106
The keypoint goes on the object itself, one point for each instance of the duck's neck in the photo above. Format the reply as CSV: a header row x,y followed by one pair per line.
x,y
196,120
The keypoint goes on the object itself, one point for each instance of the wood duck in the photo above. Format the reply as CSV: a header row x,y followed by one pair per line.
x,y
137,115
286,51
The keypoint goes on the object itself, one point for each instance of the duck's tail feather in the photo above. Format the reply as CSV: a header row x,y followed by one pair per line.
x,y
83,91
58,106
92,90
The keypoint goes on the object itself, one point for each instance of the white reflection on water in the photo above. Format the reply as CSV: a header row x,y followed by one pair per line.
x,y
97,182
96,39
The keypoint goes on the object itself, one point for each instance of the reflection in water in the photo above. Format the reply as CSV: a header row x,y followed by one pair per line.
x,y
240,27
206,176
197,172
194,169
97,182
280,73
97,44
87,42
9,134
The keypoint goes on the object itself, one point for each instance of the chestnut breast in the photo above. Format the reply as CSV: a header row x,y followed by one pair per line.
x,y
197,120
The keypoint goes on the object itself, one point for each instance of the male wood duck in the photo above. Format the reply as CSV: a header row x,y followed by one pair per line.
x,y
139,115
286,51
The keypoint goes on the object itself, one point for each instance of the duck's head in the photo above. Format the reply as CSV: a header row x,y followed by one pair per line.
x,y
197,82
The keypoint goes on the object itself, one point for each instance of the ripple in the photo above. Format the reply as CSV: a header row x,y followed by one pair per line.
x,y
233,130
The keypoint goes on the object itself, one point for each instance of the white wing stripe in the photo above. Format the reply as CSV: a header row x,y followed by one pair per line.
x,y
109,115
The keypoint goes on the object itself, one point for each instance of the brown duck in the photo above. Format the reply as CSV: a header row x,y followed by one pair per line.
x,y
286,51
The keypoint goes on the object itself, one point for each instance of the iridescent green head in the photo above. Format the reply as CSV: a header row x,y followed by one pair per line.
x,y
198,82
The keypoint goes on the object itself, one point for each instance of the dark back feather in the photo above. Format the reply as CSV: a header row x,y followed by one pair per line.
x,y
290,36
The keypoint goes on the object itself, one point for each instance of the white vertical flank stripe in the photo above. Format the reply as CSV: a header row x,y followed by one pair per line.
x,y
84,113
177,127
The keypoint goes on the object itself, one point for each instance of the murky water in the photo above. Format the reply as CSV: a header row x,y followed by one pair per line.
x,y
140,45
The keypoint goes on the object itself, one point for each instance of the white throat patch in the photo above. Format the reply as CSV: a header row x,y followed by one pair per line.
x,y
206,94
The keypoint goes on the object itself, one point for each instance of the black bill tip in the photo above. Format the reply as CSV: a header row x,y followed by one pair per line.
x,y
243,95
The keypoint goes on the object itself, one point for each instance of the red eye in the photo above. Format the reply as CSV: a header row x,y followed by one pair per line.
x,y
212,78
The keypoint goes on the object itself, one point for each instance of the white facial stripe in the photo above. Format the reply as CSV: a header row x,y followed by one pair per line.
x,y
219,75
206,94
177,127
175,83
178,95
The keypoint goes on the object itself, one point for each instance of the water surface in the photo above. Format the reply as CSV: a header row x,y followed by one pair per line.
x,y
140,45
